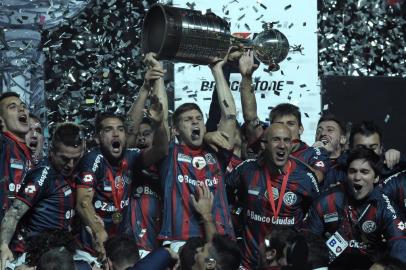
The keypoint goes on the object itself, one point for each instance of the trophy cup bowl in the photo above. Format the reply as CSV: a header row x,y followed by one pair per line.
x,y
185,35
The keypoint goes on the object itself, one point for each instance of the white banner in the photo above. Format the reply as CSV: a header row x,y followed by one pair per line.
x,y
296,82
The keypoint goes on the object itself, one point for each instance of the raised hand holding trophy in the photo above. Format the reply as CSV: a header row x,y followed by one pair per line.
x,y
189,36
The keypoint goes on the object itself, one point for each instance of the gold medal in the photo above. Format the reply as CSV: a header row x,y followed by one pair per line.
x,y
117,217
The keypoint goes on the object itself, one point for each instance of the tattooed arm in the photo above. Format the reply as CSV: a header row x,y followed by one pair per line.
x,y
8,227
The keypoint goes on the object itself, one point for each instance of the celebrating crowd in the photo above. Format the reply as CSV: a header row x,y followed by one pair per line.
x,y
160,193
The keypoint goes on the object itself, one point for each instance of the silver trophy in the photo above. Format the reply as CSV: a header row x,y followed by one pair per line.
x,y
189,36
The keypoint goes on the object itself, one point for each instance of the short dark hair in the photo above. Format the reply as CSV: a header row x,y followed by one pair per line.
x,y
279,238
184,108
104,115
318,251
332,117
227,252
146,121
31,115
56,259
367,154
188,251
7,95
39,244
285,109
122,249
69,134
365,128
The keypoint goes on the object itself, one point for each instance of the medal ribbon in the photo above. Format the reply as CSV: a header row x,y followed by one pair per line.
x,y
283,189
117,192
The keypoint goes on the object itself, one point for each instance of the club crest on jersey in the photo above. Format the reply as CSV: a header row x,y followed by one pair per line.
x,y
184,158
369,226
199,162
140,190
275,193
401,226
289,198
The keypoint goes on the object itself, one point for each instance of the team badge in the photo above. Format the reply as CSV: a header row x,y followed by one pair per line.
x,y
199,162
289,198
140,190
369,226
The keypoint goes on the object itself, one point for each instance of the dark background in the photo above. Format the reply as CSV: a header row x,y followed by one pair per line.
x,y
381,99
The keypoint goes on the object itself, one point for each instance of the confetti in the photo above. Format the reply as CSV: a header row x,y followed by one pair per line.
x,y
375,41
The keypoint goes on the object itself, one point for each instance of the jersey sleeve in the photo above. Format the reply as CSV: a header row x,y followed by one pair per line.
x,y
394,228
34,186
317,158
395,188
87,169
234,178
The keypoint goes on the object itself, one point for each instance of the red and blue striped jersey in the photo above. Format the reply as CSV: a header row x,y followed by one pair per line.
x,y
250,177
361,223
15,161
395,188
181,172
96,172
145,209
312,156
336,173
51,198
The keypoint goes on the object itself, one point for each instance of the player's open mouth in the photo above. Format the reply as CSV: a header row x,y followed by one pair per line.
x,y
116,146
142,145
280,155
23,119
195,133
325,140
357,187
33,143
